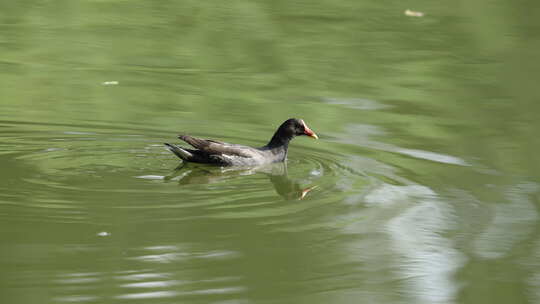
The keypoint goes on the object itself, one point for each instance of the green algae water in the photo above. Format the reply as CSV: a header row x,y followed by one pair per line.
x,y
423,187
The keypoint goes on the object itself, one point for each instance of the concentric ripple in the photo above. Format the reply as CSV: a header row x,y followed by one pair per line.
x,y
79,169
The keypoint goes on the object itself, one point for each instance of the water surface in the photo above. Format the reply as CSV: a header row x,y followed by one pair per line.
x,y
423,187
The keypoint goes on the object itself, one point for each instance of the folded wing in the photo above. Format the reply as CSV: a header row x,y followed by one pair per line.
x,y
214,147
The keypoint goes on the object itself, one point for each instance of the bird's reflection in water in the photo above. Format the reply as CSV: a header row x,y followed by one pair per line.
x,y
287,188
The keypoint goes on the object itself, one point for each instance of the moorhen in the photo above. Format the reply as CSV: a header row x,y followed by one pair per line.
x,y
224,154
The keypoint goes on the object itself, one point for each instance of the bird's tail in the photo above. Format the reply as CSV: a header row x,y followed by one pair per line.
x,y
183,154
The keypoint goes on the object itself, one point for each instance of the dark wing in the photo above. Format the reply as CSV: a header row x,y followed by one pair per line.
x,y
217,147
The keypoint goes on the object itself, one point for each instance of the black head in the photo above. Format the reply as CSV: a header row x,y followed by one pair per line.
x,y
289,129
296,127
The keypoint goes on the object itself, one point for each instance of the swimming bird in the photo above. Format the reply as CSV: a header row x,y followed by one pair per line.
x,y
224,154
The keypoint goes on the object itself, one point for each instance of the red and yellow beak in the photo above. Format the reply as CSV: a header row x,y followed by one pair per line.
x,y
305,192
309,132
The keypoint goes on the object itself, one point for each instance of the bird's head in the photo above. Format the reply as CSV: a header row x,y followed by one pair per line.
x,y
297,127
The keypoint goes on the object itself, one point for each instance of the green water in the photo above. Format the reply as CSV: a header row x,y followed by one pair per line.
x,y
423,188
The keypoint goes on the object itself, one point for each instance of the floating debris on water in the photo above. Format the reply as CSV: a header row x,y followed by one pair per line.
x,y
114,82
411,13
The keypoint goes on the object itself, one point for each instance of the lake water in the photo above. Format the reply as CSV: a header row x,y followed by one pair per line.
x,y
423,187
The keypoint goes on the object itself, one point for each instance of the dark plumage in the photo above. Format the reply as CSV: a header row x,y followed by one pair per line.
x,y
224,154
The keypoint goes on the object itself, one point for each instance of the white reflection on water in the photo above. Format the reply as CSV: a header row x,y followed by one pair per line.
x,y
361,135
148,295
170,293
512,222
388,195
78,278
143,276
78,282
159,258
175,253
427,260
154,177
534,281
223,290
151,284
186,281
357,103
436,157
72,299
